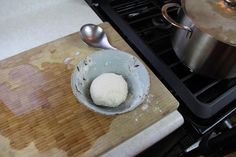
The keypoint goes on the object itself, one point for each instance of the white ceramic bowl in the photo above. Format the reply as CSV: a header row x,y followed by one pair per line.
x,y
111,61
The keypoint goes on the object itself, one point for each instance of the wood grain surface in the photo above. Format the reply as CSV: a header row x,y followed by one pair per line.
x,y
40,117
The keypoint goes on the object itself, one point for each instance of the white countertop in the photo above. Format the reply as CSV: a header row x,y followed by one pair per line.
x,y
26,24
29,23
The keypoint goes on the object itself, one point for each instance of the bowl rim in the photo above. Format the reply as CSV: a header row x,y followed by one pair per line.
x,y
88,105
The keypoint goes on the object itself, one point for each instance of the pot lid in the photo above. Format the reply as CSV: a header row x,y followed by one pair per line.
x,y
215,17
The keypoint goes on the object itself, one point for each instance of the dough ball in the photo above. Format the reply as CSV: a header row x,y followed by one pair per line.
x,y
109,89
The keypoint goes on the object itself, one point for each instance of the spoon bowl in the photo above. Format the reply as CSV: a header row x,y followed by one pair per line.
x,y
95,36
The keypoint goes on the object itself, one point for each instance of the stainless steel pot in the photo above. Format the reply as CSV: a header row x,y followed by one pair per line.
x,y
203,48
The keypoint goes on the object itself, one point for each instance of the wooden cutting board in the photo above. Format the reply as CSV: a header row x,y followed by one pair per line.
x,y
39,115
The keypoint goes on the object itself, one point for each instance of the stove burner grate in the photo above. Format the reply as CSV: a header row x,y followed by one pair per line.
x,y
142,24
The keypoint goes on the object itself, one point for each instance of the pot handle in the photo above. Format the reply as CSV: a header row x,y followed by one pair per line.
x,y
170,20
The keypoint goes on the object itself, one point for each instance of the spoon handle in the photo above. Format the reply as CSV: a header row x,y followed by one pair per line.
x,y
104,43
113,48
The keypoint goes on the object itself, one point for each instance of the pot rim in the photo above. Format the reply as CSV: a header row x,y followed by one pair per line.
x,y
200,28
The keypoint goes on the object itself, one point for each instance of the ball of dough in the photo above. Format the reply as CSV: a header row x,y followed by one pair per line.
x,y
109,89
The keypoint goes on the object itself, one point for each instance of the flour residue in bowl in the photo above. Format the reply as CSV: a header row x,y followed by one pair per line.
x,y
133,64
107,63
83,70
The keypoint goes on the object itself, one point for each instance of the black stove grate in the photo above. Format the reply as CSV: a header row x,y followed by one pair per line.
x,y
145,19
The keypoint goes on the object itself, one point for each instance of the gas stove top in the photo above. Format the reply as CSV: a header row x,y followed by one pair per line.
x,y
142,24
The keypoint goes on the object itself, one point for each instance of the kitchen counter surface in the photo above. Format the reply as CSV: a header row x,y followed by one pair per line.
x,y
30,34
28,23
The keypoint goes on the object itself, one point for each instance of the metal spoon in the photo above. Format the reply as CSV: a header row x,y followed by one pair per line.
x,y
95,36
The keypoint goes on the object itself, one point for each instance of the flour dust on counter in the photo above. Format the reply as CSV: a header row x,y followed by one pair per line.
x,y
77,53
67,61
147,101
